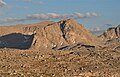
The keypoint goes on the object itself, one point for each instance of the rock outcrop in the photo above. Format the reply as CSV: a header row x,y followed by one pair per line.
x,y
63,33
111,37
53,34
111,34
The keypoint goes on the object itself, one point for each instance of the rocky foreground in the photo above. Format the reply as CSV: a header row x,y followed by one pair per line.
x,y
77,62
58,49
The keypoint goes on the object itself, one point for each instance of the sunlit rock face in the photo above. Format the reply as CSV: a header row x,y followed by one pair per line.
x,y
63,33
47,35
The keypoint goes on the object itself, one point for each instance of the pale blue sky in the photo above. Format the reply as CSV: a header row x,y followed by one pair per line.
x,y
92,13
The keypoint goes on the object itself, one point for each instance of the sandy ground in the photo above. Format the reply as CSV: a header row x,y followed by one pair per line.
x,y
78,62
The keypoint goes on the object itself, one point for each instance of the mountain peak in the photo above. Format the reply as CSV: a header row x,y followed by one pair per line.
x,y
54,34
71,20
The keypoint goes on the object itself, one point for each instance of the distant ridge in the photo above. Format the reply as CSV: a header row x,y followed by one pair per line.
x,y
111,33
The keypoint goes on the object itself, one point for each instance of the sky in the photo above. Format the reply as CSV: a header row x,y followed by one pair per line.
x,y
96,15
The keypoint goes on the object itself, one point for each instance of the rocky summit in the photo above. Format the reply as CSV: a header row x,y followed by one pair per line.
x,y
58,49
47,34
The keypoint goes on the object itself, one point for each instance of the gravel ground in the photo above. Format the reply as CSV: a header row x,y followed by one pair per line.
x,y
78,62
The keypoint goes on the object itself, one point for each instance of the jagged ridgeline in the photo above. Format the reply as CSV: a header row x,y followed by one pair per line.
x,y
47,34
111,34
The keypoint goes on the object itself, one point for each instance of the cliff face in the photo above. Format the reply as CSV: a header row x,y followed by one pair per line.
x,y
63,33
53,34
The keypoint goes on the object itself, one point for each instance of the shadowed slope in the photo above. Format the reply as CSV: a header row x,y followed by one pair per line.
x,y
16,40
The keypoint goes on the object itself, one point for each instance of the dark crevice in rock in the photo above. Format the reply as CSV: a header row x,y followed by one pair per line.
x,y
62,48
117,30
88,46
62,26
77,45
